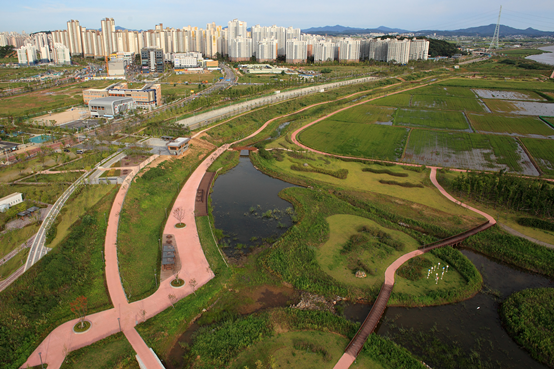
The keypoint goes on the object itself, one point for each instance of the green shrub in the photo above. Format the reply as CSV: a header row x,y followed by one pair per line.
x,y
340,173
403,184
536,223
384,171
412,269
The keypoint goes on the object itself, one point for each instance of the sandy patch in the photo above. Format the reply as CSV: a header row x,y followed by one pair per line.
x,y
63,117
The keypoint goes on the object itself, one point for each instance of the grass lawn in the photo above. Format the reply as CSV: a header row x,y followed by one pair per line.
x,y
397,100
351,139
543,152
38,301
48,194
14,238
88,160
365,114
192,78
499,84
430,119
374,255
142,220
446,91
80,201
13,264
112,352
463,150
509,124
60,177
446,103
282,348
357,180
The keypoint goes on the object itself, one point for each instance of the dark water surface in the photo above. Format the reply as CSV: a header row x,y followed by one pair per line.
x,y
241,200
471,329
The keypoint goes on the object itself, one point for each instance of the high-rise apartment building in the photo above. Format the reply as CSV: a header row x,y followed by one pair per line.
x,y
267,50
240,49
419,49
399,51
296,51
324,51
349,50
27,55
61,54
108,36
74,34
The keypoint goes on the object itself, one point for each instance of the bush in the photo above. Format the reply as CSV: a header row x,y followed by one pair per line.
x,y
529,318
384,171
265,154
403,184
340,173
153,173
412,270
536,223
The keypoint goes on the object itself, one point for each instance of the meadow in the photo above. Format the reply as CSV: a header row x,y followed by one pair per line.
x,y
431,119
543,152
466,150
509,124
365,114
351,139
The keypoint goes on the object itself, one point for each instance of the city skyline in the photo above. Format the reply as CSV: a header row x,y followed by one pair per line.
x,y
34,16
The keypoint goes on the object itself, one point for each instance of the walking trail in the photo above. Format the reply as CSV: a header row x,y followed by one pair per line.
x,y
124,316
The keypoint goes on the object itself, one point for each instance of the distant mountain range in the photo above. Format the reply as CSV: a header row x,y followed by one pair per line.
x,y
485,31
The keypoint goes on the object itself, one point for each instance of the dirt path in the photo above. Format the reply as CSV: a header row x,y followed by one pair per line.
x,y
518,234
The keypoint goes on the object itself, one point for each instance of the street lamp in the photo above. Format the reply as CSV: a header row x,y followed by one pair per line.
x,y
40,356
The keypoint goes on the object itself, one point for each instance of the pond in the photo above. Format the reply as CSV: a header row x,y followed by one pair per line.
x,y
248,209
468,334
546,58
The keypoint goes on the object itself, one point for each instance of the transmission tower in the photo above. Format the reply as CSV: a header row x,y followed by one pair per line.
x,y
494,41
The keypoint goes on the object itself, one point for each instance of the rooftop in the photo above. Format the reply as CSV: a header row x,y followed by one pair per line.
x,y
179,141
13,194
109,99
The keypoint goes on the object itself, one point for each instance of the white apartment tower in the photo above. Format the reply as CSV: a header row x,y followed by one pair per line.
x,y
108,36
296,51
399,51
267,50
74,34
240,49
27,55
61,54
324,51
419,49
349,50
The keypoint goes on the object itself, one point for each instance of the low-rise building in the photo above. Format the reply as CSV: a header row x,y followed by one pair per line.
x,y
110,106
7,202
147,96
178,146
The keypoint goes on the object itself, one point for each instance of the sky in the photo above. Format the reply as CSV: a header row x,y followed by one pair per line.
x,y
43,15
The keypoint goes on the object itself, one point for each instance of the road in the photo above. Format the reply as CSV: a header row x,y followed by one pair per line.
x,y
38,250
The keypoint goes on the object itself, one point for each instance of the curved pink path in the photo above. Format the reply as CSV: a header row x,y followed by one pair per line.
x,y
127,315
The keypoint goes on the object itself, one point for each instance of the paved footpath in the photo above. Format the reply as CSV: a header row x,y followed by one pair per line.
x,y
63,340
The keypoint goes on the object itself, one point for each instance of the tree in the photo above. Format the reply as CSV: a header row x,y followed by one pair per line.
x,y
179,214
172,299
79,308
193,284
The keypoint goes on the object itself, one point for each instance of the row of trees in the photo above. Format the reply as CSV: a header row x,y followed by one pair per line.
x,y
521,194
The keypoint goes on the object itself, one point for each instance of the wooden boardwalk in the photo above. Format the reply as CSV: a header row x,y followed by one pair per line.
x,y
378,308
201,205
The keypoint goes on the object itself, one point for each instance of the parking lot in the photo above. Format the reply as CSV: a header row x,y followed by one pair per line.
x,y
78,125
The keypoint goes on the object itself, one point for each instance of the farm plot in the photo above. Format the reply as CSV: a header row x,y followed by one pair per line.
x,y
543,152
521,107
468,151
351,139
398,100
510,125
447,103
498,84
431,119
446,91
508,95
365,114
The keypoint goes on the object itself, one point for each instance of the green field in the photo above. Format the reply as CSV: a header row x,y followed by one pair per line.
x,y
396,100
509,124
498,84
365,114
351,139
447,103
542,151
431,119
522,52
281,348
436,90
464,150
